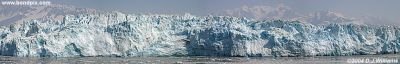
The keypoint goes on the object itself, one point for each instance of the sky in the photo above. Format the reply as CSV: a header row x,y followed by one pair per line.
x,y
387,9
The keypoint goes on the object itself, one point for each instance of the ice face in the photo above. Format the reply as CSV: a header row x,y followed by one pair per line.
x,y
117,34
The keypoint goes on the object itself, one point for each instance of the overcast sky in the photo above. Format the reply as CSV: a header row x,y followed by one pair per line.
x,y
387,9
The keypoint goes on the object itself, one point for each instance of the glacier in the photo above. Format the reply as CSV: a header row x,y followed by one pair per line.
x,y
130,35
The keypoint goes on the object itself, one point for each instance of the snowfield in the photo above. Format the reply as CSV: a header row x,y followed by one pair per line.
x,y
126,35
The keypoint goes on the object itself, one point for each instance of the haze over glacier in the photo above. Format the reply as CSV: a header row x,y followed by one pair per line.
x,y
119,34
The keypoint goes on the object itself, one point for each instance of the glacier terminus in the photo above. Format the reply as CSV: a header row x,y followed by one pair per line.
x,y
130,35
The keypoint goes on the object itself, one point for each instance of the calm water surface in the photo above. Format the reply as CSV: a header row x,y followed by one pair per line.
x,y
389,58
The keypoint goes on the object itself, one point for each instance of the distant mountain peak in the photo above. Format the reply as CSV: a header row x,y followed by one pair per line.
x,y
12,14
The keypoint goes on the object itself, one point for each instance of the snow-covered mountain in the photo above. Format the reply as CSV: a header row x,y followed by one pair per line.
x,y
264,12
282,12
328,17
12,14
118,34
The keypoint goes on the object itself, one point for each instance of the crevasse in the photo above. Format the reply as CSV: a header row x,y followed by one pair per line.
x,y
125,35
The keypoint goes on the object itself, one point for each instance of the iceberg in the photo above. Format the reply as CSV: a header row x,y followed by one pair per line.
x,y
129,35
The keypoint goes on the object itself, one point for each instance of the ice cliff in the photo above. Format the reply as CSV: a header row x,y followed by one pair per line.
x,y
117,34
